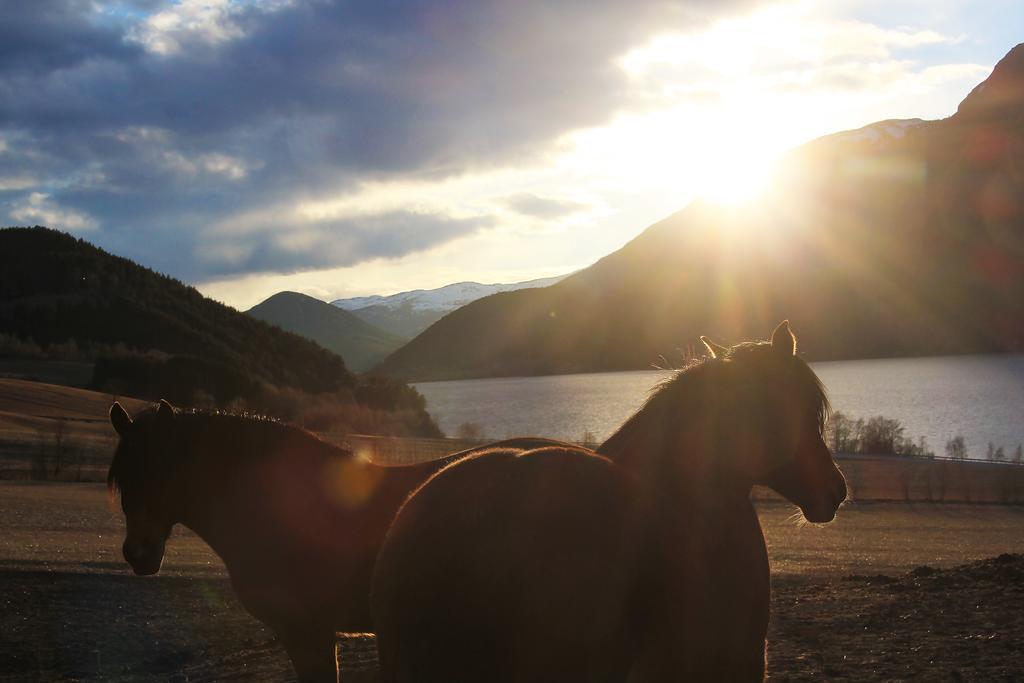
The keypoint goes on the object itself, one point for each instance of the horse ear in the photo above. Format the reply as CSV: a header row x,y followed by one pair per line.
x,y
716,350
783,339
120,419
165,411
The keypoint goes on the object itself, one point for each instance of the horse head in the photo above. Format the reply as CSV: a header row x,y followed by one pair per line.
x,y
140,472
771,419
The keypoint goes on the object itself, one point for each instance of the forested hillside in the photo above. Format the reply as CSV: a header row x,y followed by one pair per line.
x,y
151,336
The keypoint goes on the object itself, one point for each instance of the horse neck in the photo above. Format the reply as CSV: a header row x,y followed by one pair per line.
x,y
287,494
669,446
235,471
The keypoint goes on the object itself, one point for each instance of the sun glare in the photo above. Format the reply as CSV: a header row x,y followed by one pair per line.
x,y
737,99
740,178
734,105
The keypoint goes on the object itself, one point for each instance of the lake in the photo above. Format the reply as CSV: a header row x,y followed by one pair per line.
x,y
978,397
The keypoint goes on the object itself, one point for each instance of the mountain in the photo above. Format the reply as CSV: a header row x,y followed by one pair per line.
x,y
361,345
408,313
1001,95
151,336
901,238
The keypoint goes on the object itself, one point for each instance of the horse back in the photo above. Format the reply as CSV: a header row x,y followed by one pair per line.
x,y
506,564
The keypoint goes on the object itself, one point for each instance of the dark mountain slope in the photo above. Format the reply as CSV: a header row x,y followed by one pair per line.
x,y
55,287
361,344
902,238
151,336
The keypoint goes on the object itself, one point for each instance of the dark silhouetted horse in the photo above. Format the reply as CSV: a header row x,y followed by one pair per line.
x,y
643,561
297,521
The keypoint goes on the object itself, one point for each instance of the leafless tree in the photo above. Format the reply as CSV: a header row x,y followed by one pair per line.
x,y
956,448
59,439
470,431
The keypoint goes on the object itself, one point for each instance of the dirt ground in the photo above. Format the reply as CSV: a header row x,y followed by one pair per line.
x,y
887,592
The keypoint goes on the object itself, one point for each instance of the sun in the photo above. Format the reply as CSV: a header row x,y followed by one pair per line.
x,y
736,177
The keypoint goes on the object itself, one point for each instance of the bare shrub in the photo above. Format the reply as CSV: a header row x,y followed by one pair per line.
x,y
877,436
203,400
470,431
40,469
995,454
16,347
841,433
237,405
956,448
55,453
881,435
339,413
59,438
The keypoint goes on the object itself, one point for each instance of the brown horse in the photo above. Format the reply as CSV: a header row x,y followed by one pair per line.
x,y
643,561
297,521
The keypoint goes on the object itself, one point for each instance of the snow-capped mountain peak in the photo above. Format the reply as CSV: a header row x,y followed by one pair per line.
x,y
406,314
443,299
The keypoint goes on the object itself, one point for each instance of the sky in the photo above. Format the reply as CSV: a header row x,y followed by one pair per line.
x,y
351,148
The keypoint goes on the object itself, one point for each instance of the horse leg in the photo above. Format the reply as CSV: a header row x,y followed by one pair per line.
x,y
312,655
751,667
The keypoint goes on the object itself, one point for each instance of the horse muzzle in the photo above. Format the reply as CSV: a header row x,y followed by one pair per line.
x,y
145,560
823,510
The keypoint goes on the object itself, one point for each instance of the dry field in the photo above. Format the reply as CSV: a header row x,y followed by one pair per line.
x,y
851,600
63,428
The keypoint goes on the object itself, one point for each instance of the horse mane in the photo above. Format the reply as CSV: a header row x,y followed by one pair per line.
x,y
681,394
216,424
811,391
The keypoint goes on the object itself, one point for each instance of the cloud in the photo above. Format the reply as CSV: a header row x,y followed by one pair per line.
x,y
224,165
16,181
45,36
778,35
786,46
331,243
190,22
532,205
37,209
159,119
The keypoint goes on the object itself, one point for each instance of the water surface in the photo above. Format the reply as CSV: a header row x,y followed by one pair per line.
x,y
978,397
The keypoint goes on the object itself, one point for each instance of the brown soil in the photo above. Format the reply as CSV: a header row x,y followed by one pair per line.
x,y
852,601
957,624
70,609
